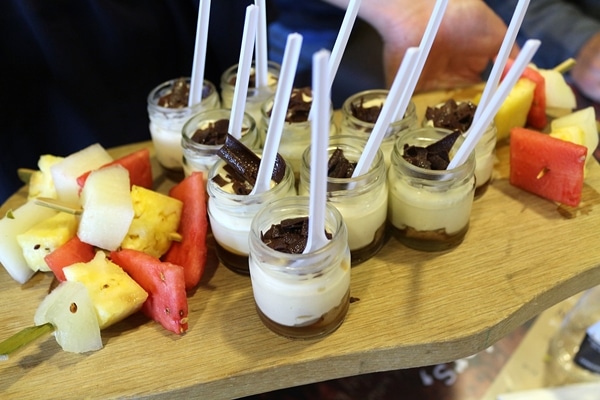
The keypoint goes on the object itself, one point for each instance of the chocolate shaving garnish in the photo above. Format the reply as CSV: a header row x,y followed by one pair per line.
x,y
366,114
289,236
298,108
452,115
243,163
178,96
339,166
212,135
435,156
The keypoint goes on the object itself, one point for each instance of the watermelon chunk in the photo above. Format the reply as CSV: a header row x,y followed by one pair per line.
x,y
73,251
137,163
536,118
165,284
191,251
547,166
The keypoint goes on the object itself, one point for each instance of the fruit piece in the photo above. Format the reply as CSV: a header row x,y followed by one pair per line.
x,y
546,166
165,283
191,251
107,208
41,183
14,223
558,93
66,172
45,237
584,119
115,294
70,310
536,117
73,251
573,134
513,111
156,218
137,163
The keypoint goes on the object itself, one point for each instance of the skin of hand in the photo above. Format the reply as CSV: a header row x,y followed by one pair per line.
x,y
468,39
586,72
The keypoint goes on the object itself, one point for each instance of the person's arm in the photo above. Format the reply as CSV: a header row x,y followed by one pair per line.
x,y
469,38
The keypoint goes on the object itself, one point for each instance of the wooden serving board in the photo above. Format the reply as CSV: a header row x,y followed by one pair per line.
x,y
522,255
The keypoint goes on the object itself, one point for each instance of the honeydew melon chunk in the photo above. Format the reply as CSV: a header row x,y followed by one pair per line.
x,y
66,172
107,208
585,119
558,93
70,310
515,108
16,222
115,295
45,237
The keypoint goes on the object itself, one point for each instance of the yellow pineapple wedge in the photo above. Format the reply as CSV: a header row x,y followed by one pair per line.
x,y
156,219
45,237
513,111
115,294
41,183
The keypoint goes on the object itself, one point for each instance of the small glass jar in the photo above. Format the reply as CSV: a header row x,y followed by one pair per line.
x,y
300,296
429,210
231,215
362,201
201,157
166,123
485,156
255,97
295,137
351,125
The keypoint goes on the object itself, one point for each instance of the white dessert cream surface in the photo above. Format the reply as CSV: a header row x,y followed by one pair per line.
x,y
299,302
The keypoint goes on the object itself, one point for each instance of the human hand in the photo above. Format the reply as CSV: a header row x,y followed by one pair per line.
x,y
586,72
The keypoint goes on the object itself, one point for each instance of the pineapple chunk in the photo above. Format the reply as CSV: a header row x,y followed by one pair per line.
x,y
45,237
572,134
115,294
156,218
585,119
41,183
513,111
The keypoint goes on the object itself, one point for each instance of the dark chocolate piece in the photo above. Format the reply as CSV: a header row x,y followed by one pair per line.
x,y
435,156
214,134
289,236
339,166
452,115
366,114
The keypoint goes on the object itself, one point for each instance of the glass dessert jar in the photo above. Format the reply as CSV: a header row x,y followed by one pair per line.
x,y
295,137
429,209
198,156
300,296
231,214
255,97
362,201
360,112
459,115
166,122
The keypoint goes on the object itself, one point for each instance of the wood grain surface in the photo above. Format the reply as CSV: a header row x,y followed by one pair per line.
x,y
522,255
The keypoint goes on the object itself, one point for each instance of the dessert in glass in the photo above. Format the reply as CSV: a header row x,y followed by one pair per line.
x,y
255,97
168,111
362,201
299,296
232,206
459,115
295,137
204,134
430,206
360,112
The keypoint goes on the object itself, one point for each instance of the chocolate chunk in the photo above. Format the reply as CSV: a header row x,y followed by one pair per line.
x,y
339,166
298,107
452,115
289,236
435,156
214,134
178,96
366,114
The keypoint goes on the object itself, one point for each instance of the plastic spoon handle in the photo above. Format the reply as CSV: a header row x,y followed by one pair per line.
x,y
278,113
262,56
505,48
240,91
197,82
478,127
318,157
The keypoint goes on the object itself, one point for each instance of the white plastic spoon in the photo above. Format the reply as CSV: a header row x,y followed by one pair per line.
x,y
197,80
278,113
318,154
261,48
243,73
